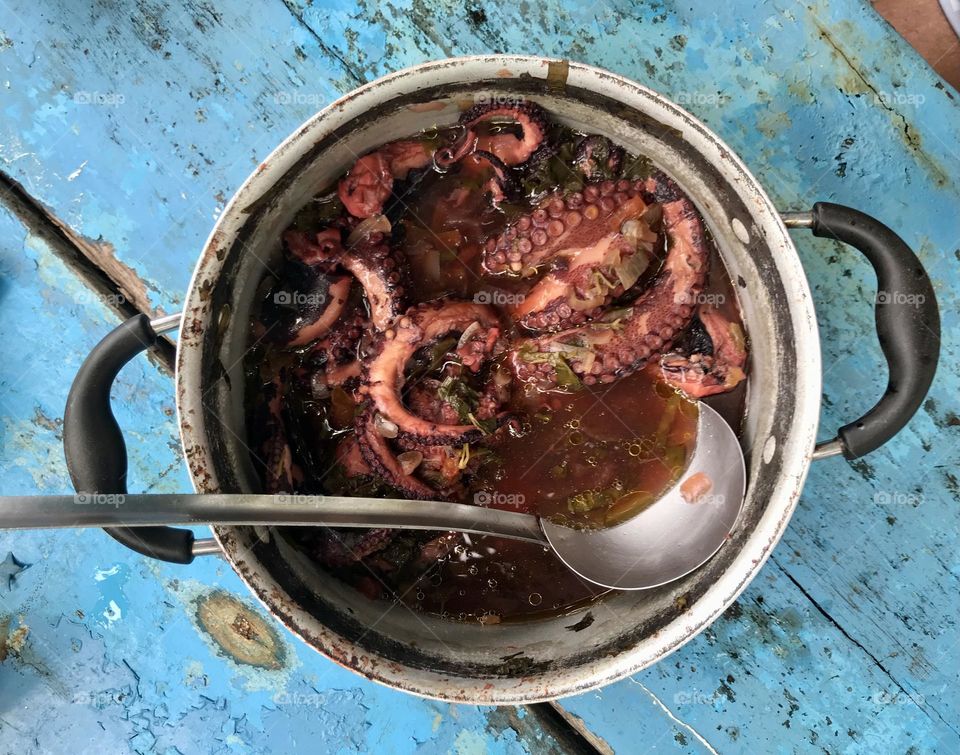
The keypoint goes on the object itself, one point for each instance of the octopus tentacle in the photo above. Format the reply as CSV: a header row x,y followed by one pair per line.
x,y
318,313
530,117
587,280
380,269
381,458
369,181
382,272
560,223
281,475
421,326
597,157
502,183
708,372
603,351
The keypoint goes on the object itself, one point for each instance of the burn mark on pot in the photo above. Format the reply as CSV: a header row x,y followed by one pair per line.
x,y
585,622
240,633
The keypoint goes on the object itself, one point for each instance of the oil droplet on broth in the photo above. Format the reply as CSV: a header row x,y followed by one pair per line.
x,y
535,599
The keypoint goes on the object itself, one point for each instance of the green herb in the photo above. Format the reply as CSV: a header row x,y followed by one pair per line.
x,y
465,401
589,500
566,377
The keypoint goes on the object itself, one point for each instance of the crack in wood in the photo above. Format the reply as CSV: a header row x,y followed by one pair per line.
x,y
114,283
923,707
568,730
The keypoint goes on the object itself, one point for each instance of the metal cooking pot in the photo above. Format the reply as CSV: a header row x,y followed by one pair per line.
x,y
537,660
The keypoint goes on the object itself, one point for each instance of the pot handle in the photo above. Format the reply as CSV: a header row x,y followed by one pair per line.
x,y
93,442
907,321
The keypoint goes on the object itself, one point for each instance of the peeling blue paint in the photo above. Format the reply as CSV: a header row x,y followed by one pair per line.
x,y
844,643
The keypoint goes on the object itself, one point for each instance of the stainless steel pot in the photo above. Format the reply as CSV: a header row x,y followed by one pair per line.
x,y
544,659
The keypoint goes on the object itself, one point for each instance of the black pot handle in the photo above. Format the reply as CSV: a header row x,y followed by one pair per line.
x,y
93,442
908,324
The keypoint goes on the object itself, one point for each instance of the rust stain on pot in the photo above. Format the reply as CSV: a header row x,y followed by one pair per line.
x,y
557,73
241,633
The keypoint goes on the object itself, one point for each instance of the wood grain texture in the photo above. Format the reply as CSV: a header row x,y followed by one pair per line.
x,y
134,126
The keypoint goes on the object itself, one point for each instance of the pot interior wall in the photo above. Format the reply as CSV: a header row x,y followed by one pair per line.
x,y
390,642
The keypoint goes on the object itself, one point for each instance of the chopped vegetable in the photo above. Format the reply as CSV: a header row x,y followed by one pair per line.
x,y
464,401
630,269
566,377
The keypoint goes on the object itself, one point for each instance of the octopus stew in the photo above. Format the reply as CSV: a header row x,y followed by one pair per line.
x,y
505,312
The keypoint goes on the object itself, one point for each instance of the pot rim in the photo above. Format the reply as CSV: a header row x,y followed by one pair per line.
x,y
798,441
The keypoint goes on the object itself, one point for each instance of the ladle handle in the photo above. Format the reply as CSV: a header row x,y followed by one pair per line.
x,y
907,320
145,510
93,442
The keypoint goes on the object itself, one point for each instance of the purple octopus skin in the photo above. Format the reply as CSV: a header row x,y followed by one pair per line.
x,y
280,473
601,352
577,220
379,268
513,151
424,325
502,184
344,547
382,460
596,156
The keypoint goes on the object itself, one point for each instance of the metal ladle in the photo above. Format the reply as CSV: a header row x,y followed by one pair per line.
x,y
665,541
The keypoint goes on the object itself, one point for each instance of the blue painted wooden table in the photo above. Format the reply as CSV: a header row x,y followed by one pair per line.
x,y
125,129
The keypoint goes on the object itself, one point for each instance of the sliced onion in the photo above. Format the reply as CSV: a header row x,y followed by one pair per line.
x,y
630,269
409,461
385,427
373,224
319,387
591,302
653,214
431,263
586,363
471,330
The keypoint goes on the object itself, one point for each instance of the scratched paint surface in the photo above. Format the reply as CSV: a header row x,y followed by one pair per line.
x,y
853,646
